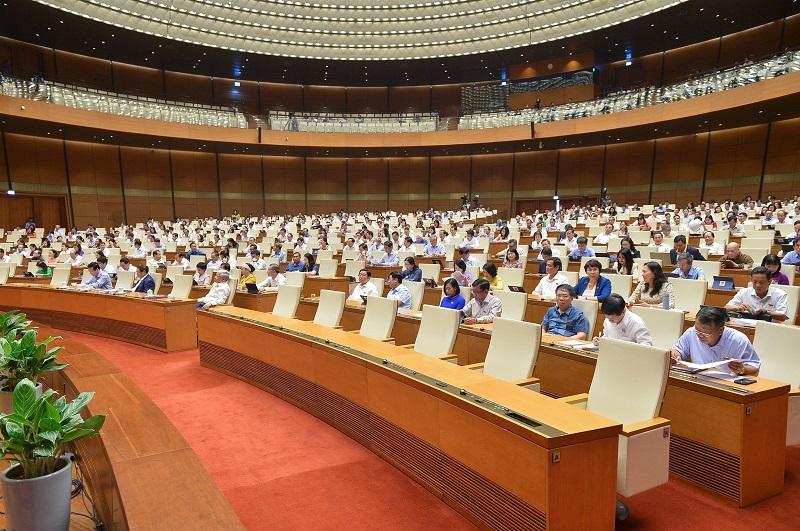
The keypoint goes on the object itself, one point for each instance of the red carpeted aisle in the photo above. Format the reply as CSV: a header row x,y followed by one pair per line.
x,y
282,468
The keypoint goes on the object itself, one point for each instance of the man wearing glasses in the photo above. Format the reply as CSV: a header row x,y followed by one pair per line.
x,y
710,341
483,307
564,319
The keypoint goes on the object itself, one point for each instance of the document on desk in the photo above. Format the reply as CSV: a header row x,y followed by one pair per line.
x,y
717,375
744,322
587,346
701,366
571,343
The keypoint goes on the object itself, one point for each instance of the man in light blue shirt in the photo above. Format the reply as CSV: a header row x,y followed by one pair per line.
x,y
398,291
99,278
687,270
793,257
583,249
710,341
434,248
389,257
278,253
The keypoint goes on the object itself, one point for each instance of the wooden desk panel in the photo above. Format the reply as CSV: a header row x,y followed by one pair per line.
x,y
441,439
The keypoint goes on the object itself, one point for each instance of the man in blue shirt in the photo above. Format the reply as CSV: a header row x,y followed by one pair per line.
x,y
564,319
99,278
398,291
295,264
583,249
685,268
194,251
793,257
389,257
277,252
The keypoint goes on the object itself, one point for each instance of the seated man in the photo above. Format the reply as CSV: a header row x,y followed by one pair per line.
x,y
296,264
398,291
274,279
621,323
364,287
681,247
564,319
544,255
605,237
463,253
258,262
218,294
194,251
685,268
125,265
792,258
735,259
156,261
215,260
762,298
434,248
710,341
483,307
99,279
277,253
658,243
547,285
181,260
144,282
102,261
74,258
735,228
710,244
582,249
389,258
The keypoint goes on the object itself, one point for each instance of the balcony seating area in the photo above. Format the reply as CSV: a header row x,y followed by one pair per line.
x,y
354,123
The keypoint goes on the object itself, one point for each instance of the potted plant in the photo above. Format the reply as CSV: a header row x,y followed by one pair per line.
x,y
35,438
13,321
22,358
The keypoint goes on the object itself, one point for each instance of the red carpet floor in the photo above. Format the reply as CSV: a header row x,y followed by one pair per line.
x,y
282,468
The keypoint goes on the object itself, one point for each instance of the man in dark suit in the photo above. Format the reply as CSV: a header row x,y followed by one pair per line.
x,y
681,247
146,282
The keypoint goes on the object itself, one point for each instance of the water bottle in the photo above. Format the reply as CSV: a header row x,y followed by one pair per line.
x,y
149,293
665,301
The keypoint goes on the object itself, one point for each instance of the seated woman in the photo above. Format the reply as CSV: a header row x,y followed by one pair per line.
x,y
651,290
201,277
773,263
642,223
52,257
623,229
310,268
625,264
43,269
512,260
460,273
593,286
247,275
490,274
452,295
411,270
536,244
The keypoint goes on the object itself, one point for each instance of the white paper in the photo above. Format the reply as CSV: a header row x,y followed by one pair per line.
x,y
571,343
702,366
587,346
744,322
717,375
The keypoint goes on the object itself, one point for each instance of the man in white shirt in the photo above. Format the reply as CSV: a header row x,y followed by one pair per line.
x,y
156,261
470,241
603,239
218,294
483,307
215,261
274,279
3,258
658,243
138,250
364,287
569,240
553,250
621,323
351,245
434,248
181,260
708,243
74,258
548,284
258,262
762,298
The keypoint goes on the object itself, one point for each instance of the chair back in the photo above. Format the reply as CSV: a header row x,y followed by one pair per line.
x,y
379,318
437,330
196,259
794,296
514,304
480,258
324,255
349,256
689,294
330,308
327,267
5,272
508,358
511,276
790,273
590,308
181,286
87,275
352,267
157,278
710,269
572,277
377,255
32,267
604,261
125,279
474,272
295,278
402,255
287,301
622,285
417,290
629,381
261,275
780,364
173,271
379,284
665,326
431,271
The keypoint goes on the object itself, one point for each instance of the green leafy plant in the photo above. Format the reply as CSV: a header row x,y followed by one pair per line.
x,y
41,430
24,358
13,322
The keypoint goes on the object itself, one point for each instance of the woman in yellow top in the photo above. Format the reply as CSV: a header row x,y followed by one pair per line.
x,y
490,274
247,275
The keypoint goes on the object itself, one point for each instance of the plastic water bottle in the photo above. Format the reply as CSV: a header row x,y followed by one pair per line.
x,y
149,293
665,301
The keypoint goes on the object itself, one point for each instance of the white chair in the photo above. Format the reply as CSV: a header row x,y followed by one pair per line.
x,y
590,308
349,256
604,261
233,283
710,269
352,267
689,294
295,278
327,267
173,271
510,359
572,277
437,331
622,285
417,290
781,362
196,259
32,267
379,284
5,272
181,286
794,297
511,276
514,304
87,275
330,308
125,279
287,301
431,271
628,386
665,326
157,278
379,318
789,271
261,275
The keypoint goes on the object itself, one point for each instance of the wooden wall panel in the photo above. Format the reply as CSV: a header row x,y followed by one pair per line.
x,y
679,169
446,100
240,182
449,180
83,70
735,160
409,99
751,43
285,184
782,172
628,170
96,187
681,62
188,87
147,186
367,184
243,98
326,184
281,96
367,100
580,171
408,184
491,179
37,164
791,33
536,174
324,99
138,80
195,178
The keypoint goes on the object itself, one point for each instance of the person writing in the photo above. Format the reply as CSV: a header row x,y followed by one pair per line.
x,y
43,270
452,295
411,270
621,323
564,319
483,307
593,286
650,292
